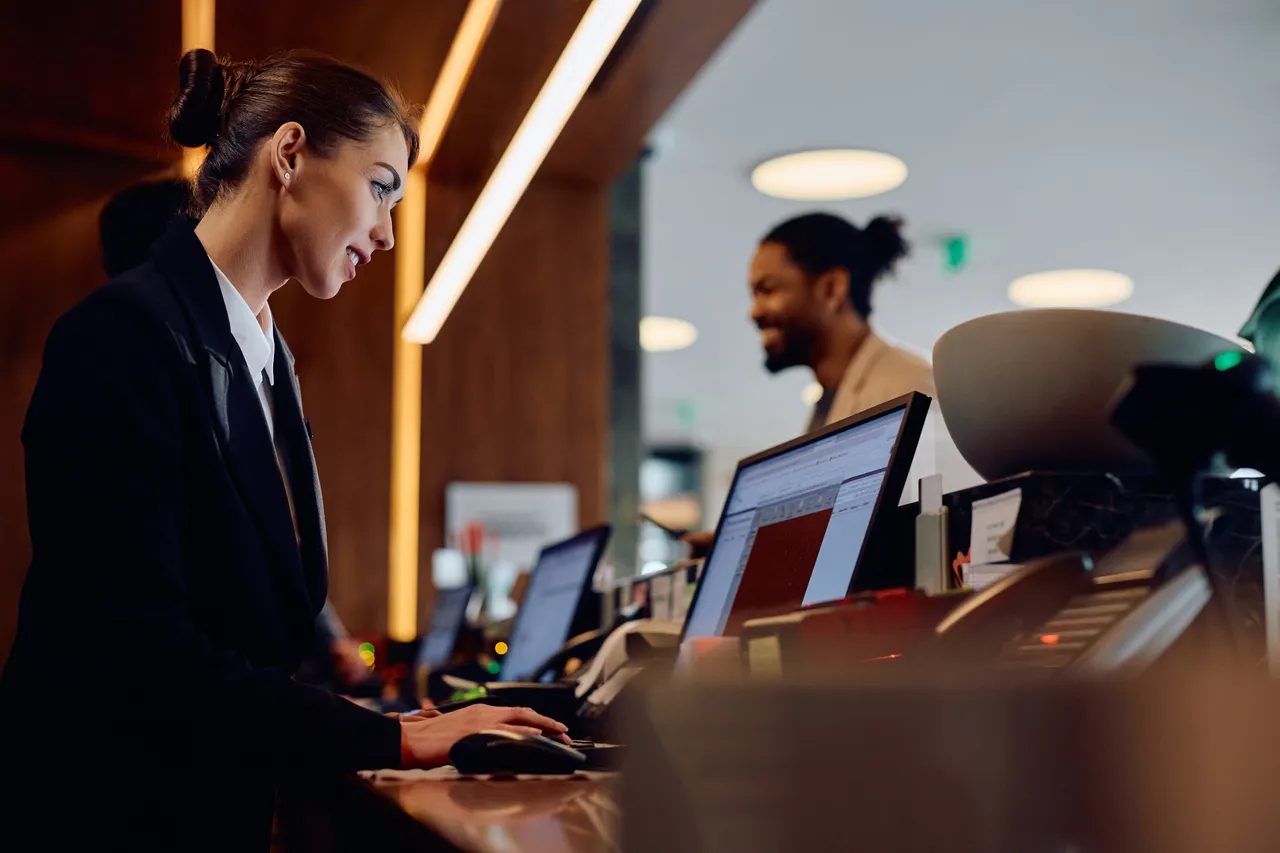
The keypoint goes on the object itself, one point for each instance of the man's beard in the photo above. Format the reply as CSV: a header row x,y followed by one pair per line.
x,y
797,346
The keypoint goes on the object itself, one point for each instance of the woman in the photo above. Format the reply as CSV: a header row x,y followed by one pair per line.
x,y
175,513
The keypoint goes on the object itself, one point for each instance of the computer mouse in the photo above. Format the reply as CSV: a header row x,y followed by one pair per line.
x,y
497,751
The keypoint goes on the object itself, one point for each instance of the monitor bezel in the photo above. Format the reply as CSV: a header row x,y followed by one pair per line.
x,y
916,406
466,592
601,534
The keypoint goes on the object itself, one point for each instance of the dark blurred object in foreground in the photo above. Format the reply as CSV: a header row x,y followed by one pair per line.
x,y
135,218
1183,763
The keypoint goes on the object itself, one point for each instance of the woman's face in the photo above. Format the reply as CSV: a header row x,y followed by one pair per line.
x,y
336,209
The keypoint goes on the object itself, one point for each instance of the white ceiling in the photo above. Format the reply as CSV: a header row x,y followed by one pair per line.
x,y
1135,135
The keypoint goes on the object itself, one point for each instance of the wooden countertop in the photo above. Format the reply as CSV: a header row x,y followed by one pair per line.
x,y
577,814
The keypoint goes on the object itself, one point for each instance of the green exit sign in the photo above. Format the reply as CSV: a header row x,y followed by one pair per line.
x,y
955,253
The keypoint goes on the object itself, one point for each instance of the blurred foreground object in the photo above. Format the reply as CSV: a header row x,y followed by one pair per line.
x,y
1181,762
1031,390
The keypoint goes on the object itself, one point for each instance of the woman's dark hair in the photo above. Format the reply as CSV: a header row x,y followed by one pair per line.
x,y
230,107
818,242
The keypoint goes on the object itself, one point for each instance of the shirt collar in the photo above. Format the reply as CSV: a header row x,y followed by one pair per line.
x,y
257,346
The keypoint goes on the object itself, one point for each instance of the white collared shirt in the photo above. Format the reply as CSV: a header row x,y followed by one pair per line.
x,y
256,345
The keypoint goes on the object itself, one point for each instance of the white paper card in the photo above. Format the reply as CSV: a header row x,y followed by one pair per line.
x,y
660,597
931,495
1269,507
518,518
991,536
980,577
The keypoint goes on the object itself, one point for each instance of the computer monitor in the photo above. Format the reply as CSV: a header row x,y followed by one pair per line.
x,y
446,624
560,579
799,519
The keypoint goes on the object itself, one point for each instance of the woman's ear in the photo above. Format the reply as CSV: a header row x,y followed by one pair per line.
x,y
287,145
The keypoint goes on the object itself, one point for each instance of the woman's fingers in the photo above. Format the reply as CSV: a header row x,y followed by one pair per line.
x,y
520,730
530,717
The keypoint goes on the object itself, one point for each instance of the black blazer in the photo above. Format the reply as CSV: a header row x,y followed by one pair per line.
x,y
168,595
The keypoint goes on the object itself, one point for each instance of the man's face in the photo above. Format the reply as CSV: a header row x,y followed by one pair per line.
x,y
783,308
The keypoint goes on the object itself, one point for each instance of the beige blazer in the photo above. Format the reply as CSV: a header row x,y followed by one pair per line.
x,y
879,372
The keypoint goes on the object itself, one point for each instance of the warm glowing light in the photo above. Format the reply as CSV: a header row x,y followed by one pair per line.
x,y
828,175
590,43
406,371
1071,289
664,334
811,394
198,20
406,414
500,648
1050,639
477,21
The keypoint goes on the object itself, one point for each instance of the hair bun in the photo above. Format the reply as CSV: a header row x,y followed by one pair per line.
x,y
195,118
885,243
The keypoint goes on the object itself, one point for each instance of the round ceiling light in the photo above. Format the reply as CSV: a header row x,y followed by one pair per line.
x,y
829,175
663,334
811,394
1071,289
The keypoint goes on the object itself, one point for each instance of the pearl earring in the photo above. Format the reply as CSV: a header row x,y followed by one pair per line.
x,y
286,176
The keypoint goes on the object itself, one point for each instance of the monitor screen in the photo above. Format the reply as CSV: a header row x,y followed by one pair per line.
x,y
446,624
793,527
545,617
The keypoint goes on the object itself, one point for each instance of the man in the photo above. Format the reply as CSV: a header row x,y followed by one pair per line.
x,y
812,279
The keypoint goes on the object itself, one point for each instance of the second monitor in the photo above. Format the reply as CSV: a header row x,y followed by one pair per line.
x,y
799,522
557,586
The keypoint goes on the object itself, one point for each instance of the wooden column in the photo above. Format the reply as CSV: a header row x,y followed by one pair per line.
x,y
516,386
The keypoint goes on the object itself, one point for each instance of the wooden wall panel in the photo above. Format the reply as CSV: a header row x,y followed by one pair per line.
x,y
522,48
402,41
515,388
607,131
89,66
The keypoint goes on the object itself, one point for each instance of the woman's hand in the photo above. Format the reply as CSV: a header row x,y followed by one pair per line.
x,y
425,741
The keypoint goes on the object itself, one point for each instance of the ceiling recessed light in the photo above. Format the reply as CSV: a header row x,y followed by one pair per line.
x,y
811,394
663,334
828,175
1071,289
